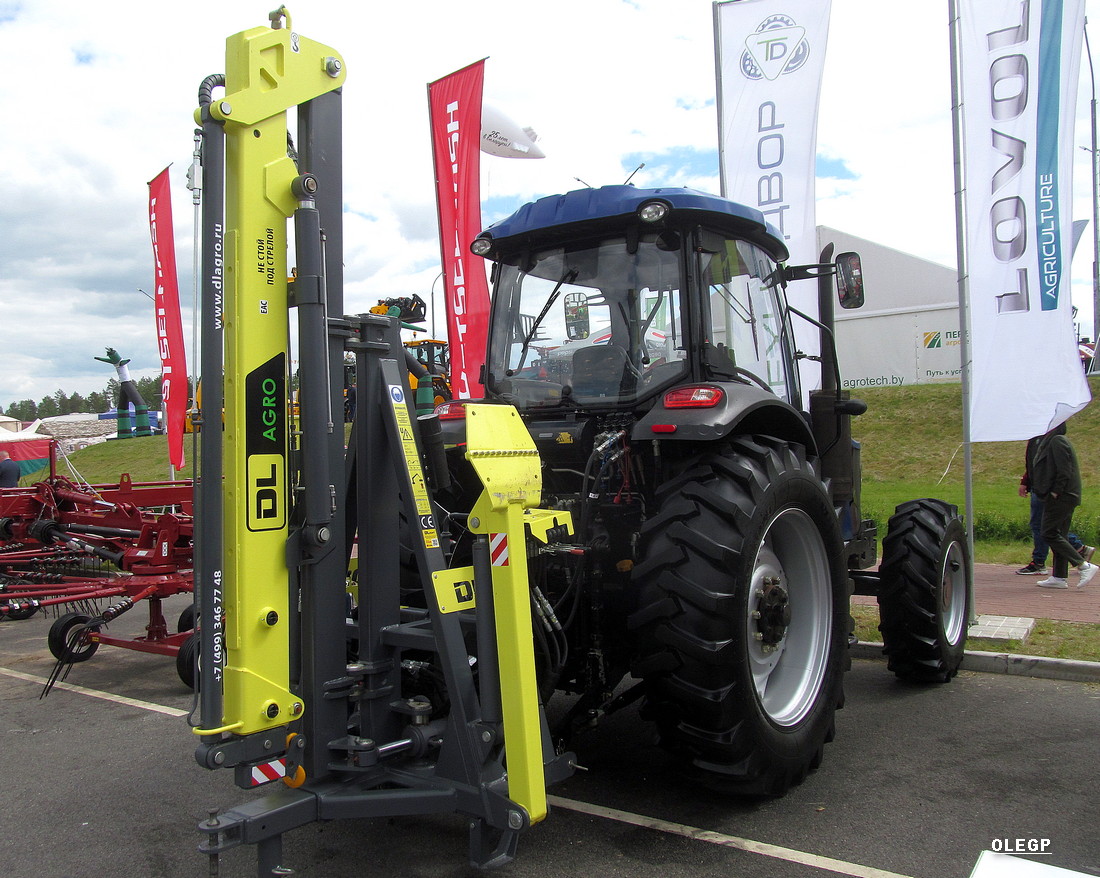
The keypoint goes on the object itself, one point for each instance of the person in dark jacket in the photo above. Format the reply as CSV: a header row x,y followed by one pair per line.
x,y
9,471
1056,480
1037,566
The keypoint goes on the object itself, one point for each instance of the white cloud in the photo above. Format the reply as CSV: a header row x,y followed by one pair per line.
x,y
98,99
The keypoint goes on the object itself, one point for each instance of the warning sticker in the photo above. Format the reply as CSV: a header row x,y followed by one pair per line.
x,y
413,468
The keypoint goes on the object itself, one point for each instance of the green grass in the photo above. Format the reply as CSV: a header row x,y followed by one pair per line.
x,y
145,458
1050,639
911,440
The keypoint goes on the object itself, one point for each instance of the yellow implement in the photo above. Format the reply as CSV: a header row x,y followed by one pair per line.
x,y
268,71
504,456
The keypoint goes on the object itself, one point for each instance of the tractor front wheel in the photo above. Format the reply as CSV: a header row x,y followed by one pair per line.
x,y
924,601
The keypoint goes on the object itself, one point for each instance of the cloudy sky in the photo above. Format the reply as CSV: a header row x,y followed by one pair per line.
x,y
97,98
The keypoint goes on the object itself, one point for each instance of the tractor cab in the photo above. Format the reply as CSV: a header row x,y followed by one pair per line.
x,y
608,298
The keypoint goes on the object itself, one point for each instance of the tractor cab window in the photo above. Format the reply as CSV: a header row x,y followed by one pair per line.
x,y
745,338
599,324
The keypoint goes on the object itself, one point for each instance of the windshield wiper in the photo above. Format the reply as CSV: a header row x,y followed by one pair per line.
x,y
569,276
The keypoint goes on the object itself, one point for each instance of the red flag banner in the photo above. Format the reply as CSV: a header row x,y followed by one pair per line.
x,y
173,357
455,111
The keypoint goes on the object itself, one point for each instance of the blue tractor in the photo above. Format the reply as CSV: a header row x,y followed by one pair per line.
x,y
645,337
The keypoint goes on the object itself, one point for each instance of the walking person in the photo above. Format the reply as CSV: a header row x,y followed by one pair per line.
x,y
1056,480
1037,566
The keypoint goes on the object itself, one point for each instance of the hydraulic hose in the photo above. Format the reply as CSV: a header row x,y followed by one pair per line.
x,y
209,510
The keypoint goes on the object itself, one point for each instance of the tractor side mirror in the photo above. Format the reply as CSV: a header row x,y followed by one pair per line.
x,y
849,280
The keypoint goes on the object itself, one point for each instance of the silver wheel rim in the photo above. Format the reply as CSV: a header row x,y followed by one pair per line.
x,y
953,593
788,662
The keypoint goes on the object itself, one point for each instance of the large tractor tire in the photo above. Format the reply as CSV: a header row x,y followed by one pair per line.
x,y
743,617
924,604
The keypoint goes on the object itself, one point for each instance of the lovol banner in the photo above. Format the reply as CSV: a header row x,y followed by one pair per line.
x,y
769,57
173,357
455,111
1018,70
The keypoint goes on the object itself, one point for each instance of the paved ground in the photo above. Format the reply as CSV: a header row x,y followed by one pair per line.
x,y
117,780
919,781
916,785
999,591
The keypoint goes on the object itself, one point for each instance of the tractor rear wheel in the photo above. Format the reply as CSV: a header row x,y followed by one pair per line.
x,y
924,604
743,616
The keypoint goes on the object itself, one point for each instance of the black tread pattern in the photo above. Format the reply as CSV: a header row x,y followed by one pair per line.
x,y
916,645
690,618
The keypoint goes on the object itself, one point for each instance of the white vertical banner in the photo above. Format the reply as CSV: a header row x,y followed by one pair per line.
x,y
769,58
1018,69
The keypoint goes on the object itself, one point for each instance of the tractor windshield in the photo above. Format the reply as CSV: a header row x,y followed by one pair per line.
x,y
598,324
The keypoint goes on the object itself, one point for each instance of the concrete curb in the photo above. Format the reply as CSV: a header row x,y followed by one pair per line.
x,y
1007,663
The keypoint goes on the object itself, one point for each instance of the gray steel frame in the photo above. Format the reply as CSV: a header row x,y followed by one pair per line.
x,y
366,749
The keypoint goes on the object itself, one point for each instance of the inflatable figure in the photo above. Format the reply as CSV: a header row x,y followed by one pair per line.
x,y
127,394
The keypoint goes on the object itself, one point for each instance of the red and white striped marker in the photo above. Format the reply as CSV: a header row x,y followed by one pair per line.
x,y
266,772
498,549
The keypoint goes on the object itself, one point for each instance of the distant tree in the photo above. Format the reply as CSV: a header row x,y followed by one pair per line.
x,y
97,402
149,388
62,401
47,408
24,410
77,403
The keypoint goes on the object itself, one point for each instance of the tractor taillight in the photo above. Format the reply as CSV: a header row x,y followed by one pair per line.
x,y
695,396
451,411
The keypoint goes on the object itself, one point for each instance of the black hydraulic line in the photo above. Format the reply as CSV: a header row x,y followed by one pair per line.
x,y
435,453
316,411
98,531
321,591
488,667
209,511
100,552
